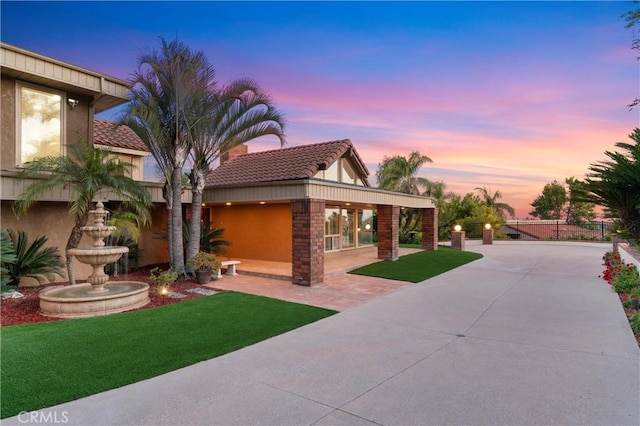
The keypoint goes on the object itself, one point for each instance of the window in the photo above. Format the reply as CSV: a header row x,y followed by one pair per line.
x,y
365,227
40,123
348,240
332,229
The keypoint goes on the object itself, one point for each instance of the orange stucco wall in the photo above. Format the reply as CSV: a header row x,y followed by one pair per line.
x,y
153,249
256,231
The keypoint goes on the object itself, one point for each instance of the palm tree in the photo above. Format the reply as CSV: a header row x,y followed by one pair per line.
x,y
234,115
169,89
492,202
87,170
398,173
615,184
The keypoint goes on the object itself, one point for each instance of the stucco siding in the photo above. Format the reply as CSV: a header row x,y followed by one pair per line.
x,y
51,220
154,250
256,231
8,117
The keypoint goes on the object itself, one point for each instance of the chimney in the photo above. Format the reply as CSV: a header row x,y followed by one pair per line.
x,y
234,152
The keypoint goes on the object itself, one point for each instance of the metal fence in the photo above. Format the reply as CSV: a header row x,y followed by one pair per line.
x,y
533,230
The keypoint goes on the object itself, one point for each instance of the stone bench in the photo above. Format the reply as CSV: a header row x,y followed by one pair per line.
x,y
231,268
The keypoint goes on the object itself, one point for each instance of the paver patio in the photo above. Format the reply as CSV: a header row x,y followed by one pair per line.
x,y
339,291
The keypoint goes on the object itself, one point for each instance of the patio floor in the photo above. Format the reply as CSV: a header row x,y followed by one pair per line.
x,y
339,291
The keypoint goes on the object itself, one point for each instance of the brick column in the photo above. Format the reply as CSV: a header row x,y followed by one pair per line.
x,y
457,240
487,236
308,241
429,229
388,233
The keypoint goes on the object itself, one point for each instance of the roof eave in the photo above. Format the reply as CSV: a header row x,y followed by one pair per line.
x,y
107,92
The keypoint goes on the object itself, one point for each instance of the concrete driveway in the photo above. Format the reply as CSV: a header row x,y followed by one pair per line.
x,y
527,335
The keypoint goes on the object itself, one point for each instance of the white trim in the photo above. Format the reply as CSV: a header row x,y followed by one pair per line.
x,y
331,191
119,150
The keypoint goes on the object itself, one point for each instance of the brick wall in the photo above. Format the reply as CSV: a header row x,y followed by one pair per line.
x,y
430,229
234,152
388,221
308,241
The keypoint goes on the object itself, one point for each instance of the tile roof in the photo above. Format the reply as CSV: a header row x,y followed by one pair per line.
x,y
110,134
299,162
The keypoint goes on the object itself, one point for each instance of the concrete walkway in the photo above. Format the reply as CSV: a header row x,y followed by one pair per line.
x,y
527,335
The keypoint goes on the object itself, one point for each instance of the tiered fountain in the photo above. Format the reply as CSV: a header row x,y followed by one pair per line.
x,y
98,296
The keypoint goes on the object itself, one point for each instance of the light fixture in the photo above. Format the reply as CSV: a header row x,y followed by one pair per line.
x,y
487,226
367,226
457,228
347,204
73,102
263,202
203,204
164,292
227,203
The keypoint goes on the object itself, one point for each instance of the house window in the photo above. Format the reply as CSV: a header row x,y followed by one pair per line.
x,y
365,227
332,229
341,231
40,123
348,231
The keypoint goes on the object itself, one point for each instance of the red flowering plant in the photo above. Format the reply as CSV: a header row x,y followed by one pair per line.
x,y
612,263
625,280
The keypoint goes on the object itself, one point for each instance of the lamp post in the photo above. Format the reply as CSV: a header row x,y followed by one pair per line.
x,y
487,234
164,292
457,238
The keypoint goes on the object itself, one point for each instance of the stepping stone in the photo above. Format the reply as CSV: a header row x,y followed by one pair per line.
x,y
11,295
175,295
203,291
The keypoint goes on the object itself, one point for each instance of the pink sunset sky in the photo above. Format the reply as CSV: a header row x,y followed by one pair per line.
x,y
504,95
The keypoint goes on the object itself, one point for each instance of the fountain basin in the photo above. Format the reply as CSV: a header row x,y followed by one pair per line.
x,y
80,301
98,255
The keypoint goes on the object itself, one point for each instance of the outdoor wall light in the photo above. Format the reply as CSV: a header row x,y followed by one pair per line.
x,y
457,228
227,204
263,202
367,226
73,102
487,226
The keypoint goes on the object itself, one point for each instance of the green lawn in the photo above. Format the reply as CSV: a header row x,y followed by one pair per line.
x,y
419,266
50,363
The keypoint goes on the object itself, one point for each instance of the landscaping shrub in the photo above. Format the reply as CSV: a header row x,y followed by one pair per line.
x,y
626,279
128,261
7,257
31,259
635,322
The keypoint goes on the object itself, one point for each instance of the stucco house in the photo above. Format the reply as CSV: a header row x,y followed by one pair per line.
x,y
289,205
46,105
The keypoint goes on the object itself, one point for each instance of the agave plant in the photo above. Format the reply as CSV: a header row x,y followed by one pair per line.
x,y
7,257
211,240
31,259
